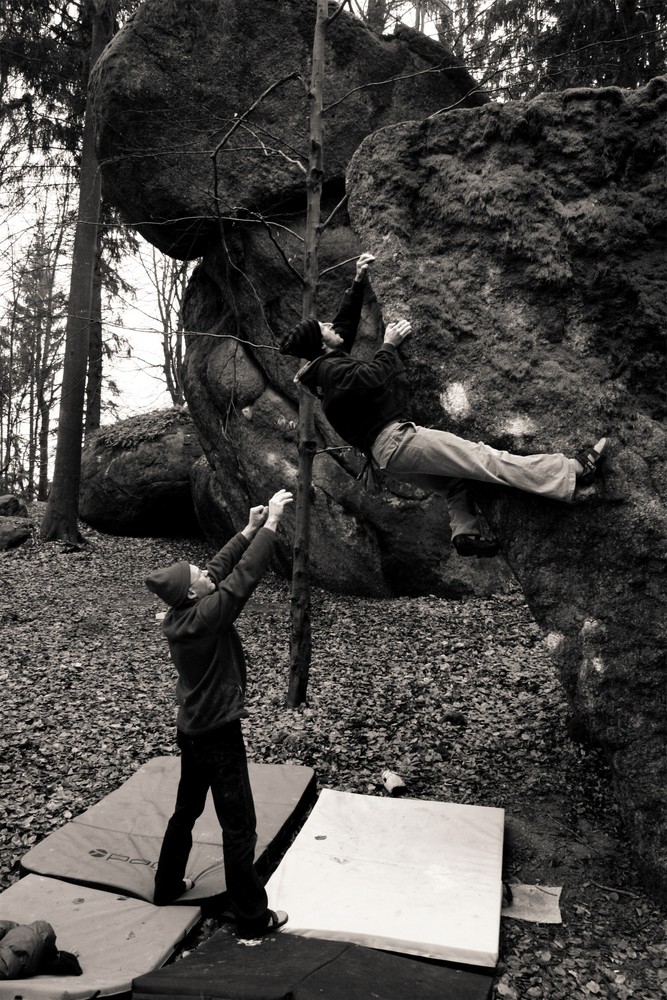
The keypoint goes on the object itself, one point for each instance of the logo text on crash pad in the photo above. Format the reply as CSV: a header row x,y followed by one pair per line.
x,y
102,855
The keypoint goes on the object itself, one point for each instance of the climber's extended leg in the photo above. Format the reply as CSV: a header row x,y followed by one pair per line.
x,y
405,449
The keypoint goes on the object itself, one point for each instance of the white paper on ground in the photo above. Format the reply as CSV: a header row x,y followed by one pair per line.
x,y
406,875
539,903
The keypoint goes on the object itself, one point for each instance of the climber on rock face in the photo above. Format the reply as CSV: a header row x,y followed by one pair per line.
x,y
359,401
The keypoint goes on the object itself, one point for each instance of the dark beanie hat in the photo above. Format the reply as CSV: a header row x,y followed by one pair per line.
x,y
171,583
304,340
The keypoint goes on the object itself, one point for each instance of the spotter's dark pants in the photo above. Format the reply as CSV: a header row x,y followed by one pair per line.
x,y
216,760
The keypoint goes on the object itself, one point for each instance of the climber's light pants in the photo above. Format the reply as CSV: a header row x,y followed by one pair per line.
x,y
438,461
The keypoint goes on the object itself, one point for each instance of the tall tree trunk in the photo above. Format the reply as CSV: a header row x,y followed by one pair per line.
x,y
172,347
170,282
300,640
94,382
61,516
33,415
376,15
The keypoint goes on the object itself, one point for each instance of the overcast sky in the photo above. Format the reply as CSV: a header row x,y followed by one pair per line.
x,y
139,377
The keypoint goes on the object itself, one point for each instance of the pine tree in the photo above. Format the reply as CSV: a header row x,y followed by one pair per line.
x,y
45,60
524,47
31,354
61,517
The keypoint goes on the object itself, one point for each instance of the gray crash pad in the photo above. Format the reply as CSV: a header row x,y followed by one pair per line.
x,y
115,938
115,844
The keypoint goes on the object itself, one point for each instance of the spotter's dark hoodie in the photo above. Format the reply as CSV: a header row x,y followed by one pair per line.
x,y
205,647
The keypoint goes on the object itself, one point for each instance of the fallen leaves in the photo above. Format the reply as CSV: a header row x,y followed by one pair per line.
x,y
458,698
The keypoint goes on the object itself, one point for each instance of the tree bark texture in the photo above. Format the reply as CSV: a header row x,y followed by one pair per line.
x,y
300,640
61,516
95,348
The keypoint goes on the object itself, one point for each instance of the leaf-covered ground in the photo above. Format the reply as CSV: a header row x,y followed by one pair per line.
x,y
458,697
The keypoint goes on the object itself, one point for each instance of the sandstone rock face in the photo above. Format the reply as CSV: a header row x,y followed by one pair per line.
x,y
176,84
14,531
158,125
135,477
526,244
15,526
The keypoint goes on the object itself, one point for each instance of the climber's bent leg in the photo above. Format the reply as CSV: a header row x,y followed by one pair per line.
x,y
467,536
460,504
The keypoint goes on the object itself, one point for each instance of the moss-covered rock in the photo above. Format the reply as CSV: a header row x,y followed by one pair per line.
x,y
135,476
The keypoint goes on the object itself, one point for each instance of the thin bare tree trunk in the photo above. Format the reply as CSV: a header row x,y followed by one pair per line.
x,y
376,15
61,515
6,440
43,476
300,624
33,423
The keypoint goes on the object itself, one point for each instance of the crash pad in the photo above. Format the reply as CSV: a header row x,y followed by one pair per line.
x,y
285,966
116,843
115,938
404,875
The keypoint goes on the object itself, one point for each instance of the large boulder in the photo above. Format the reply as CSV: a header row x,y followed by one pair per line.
x,y
526,244
155,149
15,526
202,110
14,531
135,476
12,505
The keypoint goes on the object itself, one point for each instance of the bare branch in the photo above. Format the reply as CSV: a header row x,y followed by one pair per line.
x,y
338,206
269,150
248,111
341,263
229,336
277,245
383,83
338,11
461,100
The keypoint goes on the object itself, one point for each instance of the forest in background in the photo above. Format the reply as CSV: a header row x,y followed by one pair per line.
x,y
612,944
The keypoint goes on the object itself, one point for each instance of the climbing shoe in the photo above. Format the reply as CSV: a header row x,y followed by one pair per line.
x,y
475,545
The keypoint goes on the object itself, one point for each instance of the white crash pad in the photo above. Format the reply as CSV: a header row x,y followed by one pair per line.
x,y
115,938
405,875
115,844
